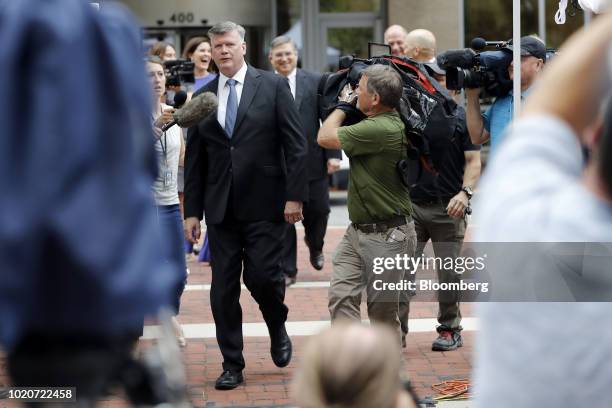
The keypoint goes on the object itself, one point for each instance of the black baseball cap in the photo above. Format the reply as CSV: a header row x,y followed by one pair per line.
x,y
434,68
531,46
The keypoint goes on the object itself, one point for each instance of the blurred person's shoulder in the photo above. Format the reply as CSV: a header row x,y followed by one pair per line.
x,y
533,191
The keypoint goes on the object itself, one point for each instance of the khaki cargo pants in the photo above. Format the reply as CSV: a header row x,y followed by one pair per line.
x,y
446,233
353,272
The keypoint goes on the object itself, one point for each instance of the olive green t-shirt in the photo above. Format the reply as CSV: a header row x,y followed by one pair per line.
x,y
374,146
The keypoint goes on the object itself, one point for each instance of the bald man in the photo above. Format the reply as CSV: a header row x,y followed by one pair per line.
x,y
421,45
395,37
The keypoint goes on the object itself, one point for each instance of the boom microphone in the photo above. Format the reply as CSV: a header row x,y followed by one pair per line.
x,y
463,58
194,111
479,43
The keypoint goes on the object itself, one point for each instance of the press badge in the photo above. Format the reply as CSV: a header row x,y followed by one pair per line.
x,y
167,179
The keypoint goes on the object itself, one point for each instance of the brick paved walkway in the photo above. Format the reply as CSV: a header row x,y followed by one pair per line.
x,y
265,383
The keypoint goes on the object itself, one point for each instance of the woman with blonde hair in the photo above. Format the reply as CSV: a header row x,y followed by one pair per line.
x,y
352,366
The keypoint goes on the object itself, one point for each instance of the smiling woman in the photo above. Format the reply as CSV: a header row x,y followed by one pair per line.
x,y
198,50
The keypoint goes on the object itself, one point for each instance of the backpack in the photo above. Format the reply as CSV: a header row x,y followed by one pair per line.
x,y
425,108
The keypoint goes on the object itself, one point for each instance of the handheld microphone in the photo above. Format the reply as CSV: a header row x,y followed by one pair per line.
x,y
179,99
464,58
194,111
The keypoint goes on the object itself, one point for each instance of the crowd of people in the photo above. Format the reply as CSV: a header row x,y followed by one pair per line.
x,y
260,164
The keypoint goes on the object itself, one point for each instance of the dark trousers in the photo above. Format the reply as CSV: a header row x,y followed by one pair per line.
x,y
316,213
254,247
446,233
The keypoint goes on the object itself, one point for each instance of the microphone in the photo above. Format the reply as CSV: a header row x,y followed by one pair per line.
x,y
479,43
194,111
463,58
179,99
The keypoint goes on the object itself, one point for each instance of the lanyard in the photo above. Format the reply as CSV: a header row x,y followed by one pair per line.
x,y
164,144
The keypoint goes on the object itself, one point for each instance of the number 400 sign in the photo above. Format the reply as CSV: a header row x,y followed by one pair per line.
x,y
182,18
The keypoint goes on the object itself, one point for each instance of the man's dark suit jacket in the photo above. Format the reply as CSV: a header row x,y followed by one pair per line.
x,y
306,85
256,171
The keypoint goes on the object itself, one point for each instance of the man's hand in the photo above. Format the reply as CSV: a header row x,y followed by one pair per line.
x,y
157,133
293,212
348,95
192,229
333,165
165,117
457,205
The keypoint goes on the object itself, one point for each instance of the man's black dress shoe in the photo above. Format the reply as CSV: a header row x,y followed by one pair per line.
x,y
290,280
280,348
229,380
317,260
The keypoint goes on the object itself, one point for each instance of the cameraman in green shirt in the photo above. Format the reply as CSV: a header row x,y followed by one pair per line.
x,y
381,231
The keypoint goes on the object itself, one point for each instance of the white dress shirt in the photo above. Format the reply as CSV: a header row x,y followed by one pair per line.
x,y
291,79
223,92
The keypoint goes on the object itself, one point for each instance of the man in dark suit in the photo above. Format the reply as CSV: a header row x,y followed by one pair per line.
x,y
245,171
321,162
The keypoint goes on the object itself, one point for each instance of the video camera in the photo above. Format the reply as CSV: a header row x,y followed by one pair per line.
x,y
468,68
178,72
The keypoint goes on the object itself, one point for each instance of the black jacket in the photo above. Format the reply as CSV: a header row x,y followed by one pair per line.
x,y
256,171
307,103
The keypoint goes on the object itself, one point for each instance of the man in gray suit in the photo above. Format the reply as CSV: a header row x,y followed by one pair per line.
x,y
320,162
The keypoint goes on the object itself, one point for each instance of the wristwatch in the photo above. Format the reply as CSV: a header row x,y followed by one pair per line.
x,y
468,191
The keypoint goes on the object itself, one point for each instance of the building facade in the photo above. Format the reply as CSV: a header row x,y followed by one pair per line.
x,y
326,29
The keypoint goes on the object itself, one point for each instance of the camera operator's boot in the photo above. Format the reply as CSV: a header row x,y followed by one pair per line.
x,y
447,340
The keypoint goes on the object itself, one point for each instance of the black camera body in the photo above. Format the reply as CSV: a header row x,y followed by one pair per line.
x,y
488,70
178,72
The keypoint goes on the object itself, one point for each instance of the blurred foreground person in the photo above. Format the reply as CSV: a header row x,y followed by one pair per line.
x,y
79,240
539,190
352,365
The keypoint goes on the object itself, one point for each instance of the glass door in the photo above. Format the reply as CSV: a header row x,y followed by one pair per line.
x,y
346,41
346,34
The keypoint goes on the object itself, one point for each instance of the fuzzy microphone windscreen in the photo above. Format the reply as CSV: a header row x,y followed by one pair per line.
x,y
196,109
